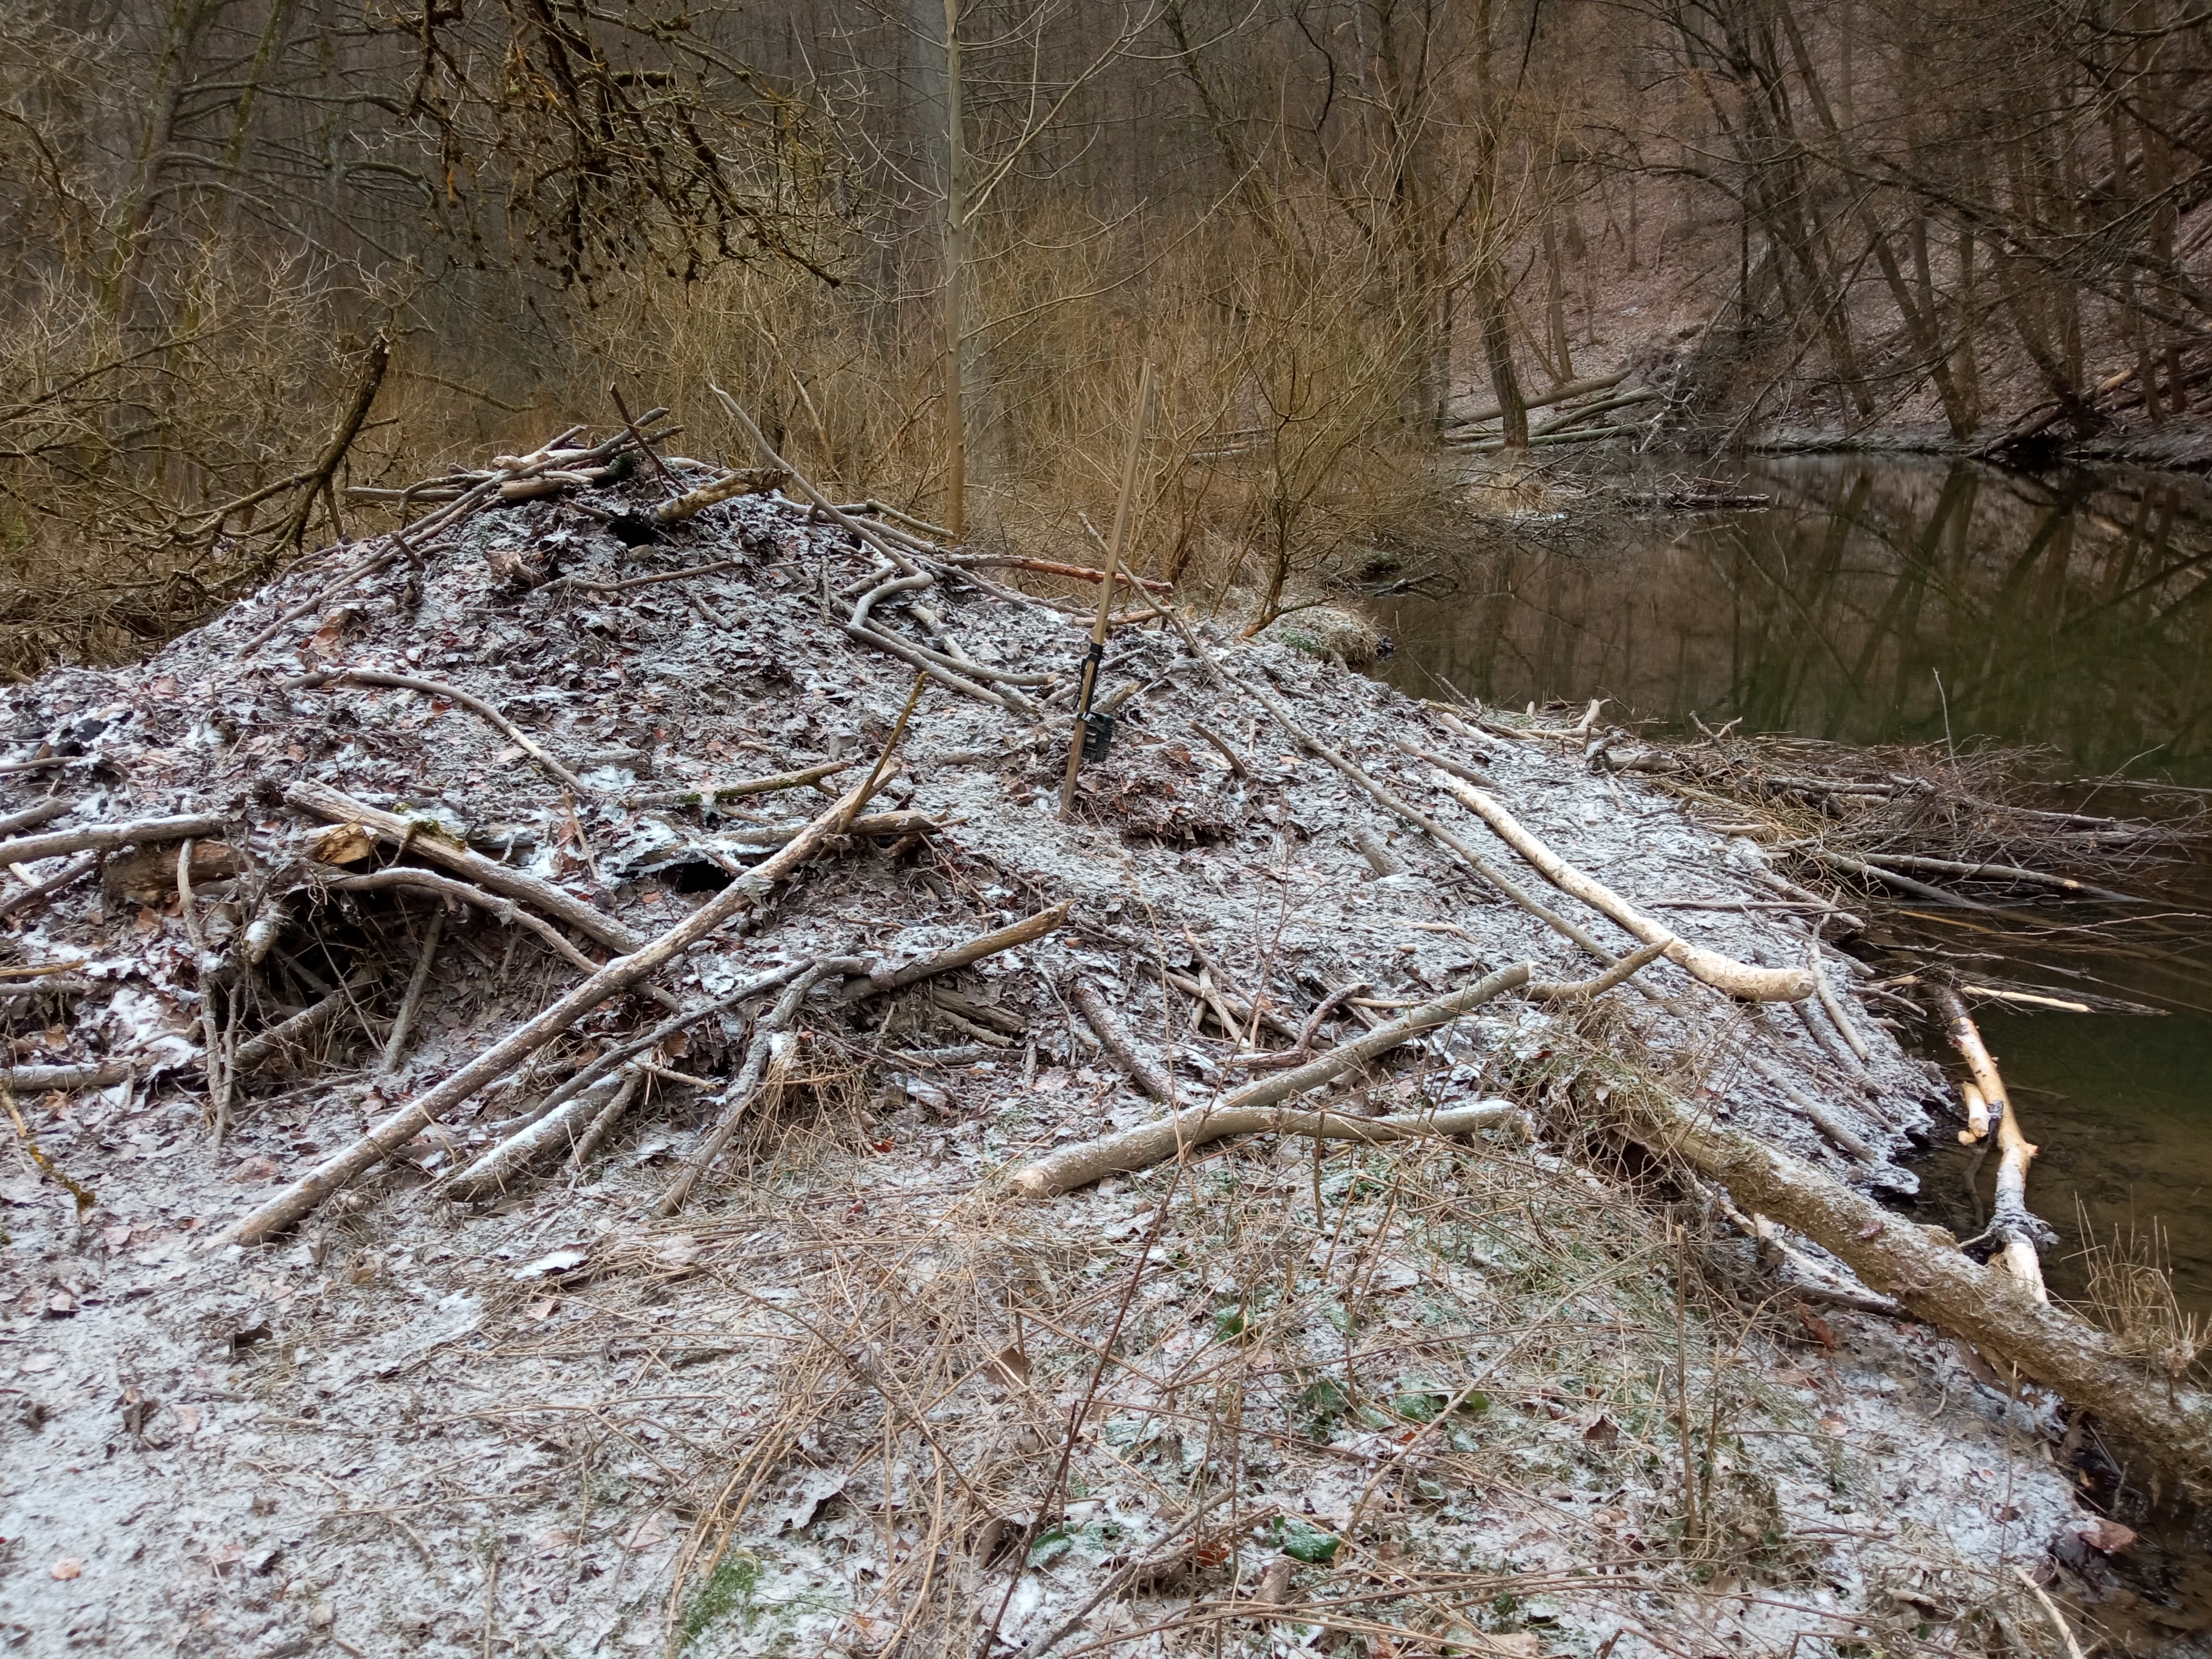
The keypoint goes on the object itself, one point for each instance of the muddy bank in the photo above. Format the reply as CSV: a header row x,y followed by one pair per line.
x,y
1515,1393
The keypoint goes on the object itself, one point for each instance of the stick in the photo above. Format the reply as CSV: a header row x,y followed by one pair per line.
x,y
36,1078
1997,872
1236,767
881,980
1115,550
31,817
398,1128
428,840
422,881
1380,859
1891,878
395,1043
1240,1113
53,884
768,785
491,716
1413,815
1142,1073
1082,573
651,453
1822,989
488,1175
1723,974
740,1093
107,837
1966,1037
2017,1229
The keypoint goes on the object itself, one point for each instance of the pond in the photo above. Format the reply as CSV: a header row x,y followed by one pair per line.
x,y
1883,600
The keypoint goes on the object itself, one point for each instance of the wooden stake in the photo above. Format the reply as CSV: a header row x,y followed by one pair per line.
x,y
1113,552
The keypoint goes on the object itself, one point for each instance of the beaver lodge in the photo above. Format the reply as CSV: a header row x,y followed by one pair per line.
x,y
574,1092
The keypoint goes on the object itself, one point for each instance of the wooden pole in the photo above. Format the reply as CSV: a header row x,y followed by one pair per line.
x,y
1116,545
956,263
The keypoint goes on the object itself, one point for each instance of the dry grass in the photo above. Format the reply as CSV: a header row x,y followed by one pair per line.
x,y
2128,1289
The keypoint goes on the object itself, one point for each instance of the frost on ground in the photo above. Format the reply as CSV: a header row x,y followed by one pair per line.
x,y
1506,1396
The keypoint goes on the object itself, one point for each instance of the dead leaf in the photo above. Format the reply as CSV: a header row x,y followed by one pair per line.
x,y
1009,1367
2100,1534
255,1169
342,843
67,1568
1818,1328
543,1308
39,1362
188,1419
1604,1434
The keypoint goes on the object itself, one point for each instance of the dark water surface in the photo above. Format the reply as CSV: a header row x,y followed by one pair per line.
x,y
1897,600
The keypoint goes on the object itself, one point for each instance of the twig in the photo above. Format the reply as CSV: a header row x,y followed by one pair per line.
x,y
768,785
476,705
53,884
402,1023
740,1093
490,1173
423,881
31,817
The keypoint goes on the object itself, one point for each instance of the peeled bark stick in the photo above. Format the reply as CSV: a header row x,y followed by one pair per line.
x,y
745,481
107,837
430,842
488,1175
1966,1037
1924,1270
1242,1111
1998,873
31,817
1418,819
1723,974
1142,1072
394,1131
70,872
768,785
477,706
2011,1220
1891,878
881,980
425,881
739,1095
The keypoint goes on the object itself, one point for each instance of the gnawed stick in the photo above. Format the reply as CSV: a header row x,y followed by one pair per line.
x,y
1834,1008
425,881
476,705
882,979
2019,1232
1240,1112
1723,974
740,1094
1922,1268
395,1130
107,837
488,1174
428,839
1142,1073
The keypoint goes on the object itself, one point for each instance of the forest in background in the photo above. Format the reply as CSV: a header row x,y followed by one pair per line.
x,y
273,257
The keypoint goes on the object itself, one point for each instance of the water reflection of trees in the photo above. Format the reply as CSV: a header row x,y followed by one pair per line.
x,y
1877,601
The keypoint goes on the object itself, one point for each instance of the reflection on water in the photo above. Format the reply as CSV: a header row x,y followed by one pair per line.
x,y
1876,601
1871,599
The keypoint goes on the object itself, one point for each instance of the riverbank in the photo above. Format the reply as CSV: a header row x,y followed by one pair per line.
x,y
753,1346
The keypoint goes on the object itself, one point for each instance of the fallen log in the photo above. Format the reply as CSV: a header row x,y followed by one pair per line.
x,y
1724,973
395,1130
1244,1111
1924,1270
